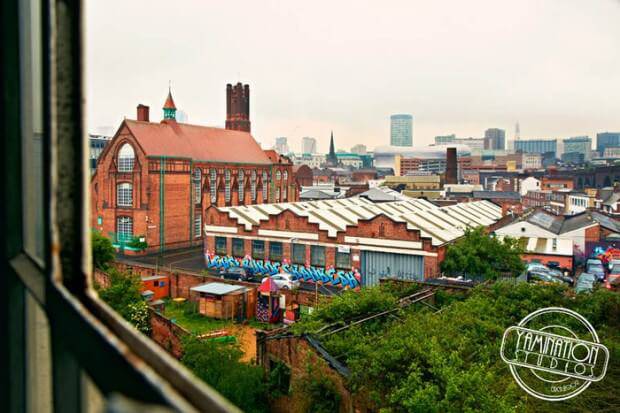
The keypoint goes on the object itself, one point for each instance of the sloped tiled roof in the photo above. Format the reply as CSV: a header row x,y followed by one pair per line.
x,y
440,224
200,143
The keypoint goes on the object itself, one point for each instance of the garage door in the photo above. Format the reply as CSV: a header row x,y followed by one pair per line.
x,y
376,265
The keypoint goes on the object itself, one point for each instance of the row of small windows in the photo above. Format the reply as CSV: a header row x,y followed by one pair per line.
x,y
298,252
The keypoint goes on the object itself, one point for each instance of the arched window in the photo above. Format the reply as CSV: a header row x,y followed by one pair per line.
x,y
253,185
124,195
126,158
285,175
278,175
124,228
265,183
227,183
213,185
241,178
284,191
197,185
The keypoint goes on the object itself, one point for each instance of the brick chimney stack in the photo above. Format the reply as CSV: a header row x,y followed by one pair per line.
x,y
143,113
238,107
451,166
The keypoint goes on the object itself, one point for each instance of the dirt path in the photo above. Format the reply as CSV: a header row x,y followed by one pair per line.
x,y
247,341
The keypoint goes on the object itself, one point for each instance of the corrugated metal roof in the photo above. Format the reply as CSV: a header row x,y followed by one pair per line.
x,y
217,288
441,224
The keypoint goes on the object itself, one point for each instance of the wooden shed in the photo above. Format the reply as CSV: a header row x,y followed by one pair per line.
x,y
222,301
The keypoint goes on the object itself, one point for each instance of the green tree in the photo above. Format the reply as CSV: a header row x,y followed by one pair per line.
x,y
219,365
124,296
103,251
480,255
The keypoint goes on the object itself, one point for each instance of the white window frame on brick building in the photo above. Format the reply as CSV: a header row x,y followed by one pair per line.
x,y
198,224
241,178
227,185
213,184
253,185
124,228
126,158
124,194
265,183
197,178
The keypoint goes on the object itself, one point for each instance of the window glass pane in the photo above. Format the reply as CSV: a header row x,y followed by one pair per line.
x,y
197,185
198,225
241,185
258,249
126,158
317,256
220,246
265,183
343,260
227,185
299,254
31,80
275,251
124,228
124,194
237,247
213,185
253,185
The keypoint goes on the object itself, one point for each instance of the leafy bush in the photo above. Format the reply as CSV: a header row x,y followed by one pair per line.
x,y
137,244
124,296
219,365
102,249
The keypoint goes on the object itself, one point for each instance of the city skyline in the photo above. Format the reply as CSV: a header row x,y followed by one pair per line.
x,y
347,92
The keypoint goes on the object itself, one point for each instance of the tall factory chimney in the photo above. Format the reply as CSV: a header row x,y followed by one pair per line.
x,y
451,166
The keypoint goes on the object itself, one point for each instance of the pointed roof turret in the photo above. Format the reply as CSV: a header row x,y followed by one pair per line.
x,y
170,109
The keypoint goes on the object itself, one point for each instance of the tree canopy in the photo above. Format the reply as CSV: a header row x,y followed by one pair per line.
x,y
420,360
103,251
479,255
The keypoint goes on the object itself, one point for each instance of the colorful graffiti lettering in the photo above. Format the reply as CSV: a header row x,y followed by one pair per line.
x,y
331,276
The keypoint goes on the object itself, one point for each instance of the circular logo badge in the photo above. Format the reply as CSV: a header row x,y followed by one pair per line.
x,y
554,354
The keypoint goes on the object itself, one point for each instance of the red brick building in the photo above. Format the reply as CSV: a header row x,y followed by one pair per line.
x,y
344,243
155,180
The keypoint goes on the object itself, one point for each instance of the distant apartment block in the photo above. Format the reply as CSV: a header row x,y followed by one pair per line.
x,y
445,139
282,145
308,145
612,152
96,144
579,144
495,139
540,146
401,130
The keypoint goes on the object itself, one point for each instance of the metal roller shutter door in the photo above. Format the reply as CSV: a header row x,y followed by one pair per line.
x,y
376,265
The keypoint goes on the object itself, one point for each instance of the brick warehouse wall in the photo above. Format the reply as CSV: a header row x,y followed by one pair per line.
x,y
167,334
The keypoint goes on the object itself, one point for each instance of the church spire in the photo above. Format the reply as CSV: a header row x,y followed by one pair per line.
x,y
332,159
170,110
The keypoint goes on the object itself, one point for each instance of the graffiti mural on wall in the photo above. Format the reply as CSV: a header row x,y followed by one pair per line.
x,y
328,276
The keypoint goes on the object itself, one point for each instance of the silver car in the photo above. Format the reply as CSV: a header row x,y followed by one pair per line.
x,y
284,280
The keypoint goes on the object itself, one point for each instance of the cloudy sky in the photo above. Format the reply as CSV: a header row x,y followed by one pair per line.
x,y
315,66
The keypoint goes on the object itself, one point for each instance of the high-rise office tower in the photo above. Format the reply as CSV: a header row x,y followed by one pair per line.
x,y
579,144
282,145
607,140
401,130
495,139
308,145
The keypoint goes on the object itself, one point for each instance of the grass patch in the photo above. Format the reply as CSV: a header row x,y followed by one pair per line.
x,y
187,316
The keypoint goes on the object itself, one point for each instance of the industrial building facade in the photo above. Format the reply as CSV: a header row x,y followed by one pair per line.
x,y
154,180
347,243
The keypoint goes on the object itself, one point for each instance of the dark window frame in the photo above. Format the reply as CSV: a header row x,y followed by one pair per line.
x,y
315,259
56,282
277,257
339,264
255,254
218,251
294,258
234,247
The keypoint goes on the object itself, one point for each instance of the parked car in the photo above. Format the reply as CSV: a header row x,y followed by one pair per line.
x,y
585,282
542,273
595,266
613,281
613,263
237,273
284,280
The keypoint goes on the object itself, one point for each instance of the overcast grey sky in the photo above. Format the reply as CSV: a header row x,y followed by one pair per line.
x,y
313,66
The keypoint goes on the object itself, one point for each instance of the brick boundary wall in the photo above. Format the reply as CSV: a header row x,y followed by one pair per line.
x,y
167,334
